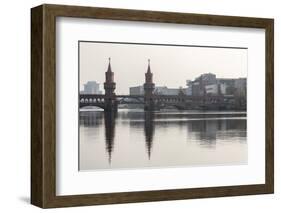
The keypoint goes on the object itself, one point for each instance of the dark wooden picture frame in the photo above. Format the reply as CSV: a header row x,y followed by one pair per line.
x,y
43,105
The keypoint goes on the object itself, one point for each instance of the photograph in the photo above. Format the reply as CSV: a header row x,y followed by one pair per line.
x,y
145,105
140,105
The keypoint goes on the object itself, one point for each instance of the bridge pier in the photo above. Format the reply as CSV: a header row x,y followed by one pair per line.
x,y
149,104
110,105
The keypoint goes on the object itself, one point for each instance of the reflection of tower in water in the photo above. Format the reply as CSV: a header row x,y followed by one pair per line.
x,y
109,123
149,130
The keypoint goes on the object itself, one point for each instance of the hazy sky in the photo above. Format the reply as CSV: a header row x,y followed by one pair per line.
x,y
171,65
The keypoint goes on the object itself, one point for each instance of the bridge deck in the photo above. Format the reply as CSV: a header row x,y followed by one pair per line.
x,y
160,96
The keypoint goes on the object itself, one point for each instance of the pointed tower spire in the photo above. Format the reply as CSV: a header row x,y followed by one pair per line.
x,y
109,84
148,87
148,68
110,103
148,74
109,65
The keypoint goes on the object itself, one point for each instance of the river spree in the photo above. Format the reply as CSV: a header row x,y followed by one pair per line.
x,y
132,139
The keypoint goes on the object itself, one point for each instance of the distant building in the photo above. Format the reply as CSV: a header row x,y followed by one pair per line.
x,y
166,91
241,87
91,87
197,89
207,79
216,89
209,84
212,89
188,90
240,83
199,84
228,85
227,81
138,90
160,90
205,84
233,86
223,89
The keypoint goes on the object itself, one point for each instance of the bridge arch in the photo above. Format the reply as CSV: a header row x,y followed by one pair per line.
x,y
83,106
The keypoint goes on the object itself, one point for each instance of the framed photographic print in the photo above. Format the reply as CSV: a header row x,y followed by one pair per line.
x,y
135,106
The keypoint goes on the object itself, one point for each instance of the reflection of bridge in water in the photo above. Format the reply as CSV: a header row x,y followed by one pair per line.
x,y
206,127
151,101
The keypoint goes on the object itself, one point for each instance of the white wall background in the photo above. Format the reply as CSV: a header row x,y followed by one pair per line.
x,y
15,114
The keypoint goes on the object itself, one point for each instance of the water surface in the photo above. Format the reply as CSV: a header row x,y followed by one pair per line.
x,y
137,139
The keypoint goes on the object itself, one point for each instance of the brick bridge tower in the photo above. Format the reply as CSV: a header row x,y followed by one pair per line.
x,y
148,90
109,87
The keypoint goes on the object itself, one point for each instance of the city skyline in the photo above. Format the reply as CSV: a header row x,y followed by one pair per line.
x,y
130,73
159,88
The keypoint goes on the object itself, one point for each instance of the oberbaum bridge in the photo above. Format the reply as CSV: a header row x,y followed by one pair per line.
x,y
151,101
